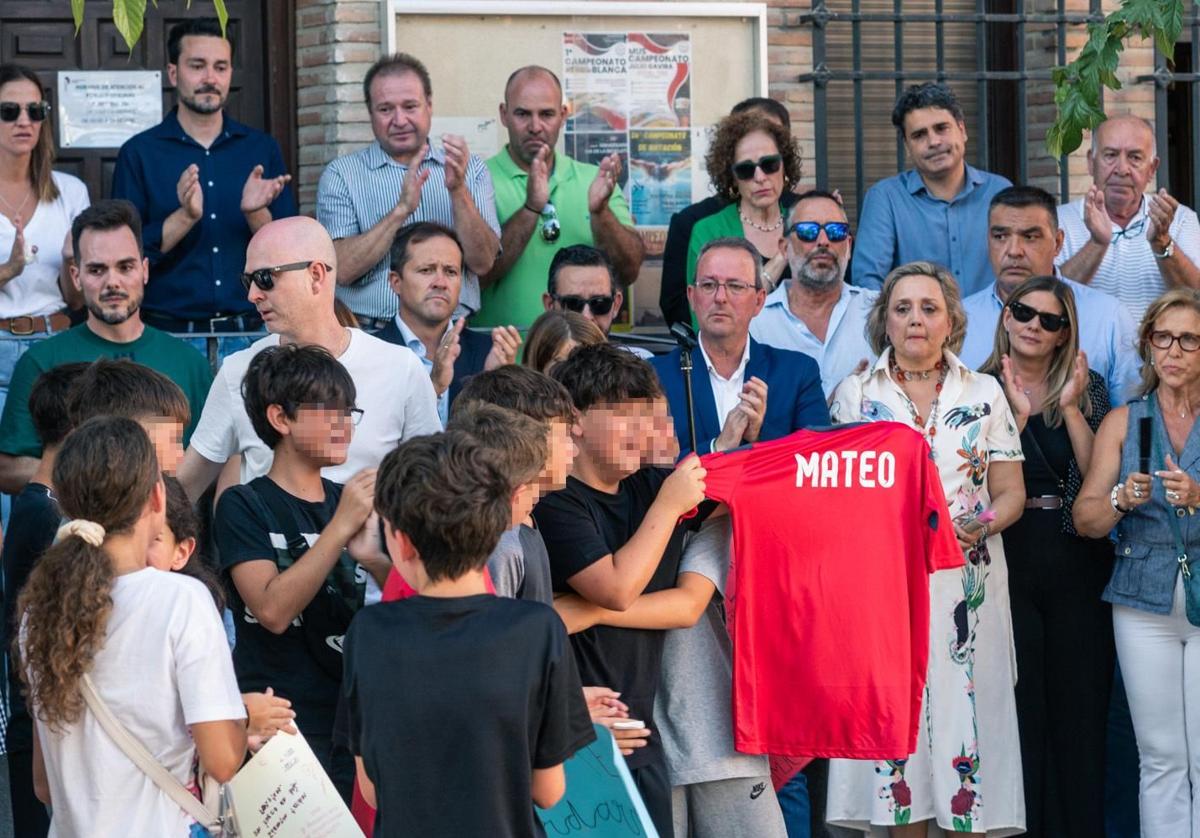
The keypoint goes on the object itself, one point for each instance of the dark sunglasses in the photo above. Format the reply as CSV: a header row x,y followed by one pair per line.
x,y
600,306
264,278
1050,322
550,227
808,231
11,111
770,164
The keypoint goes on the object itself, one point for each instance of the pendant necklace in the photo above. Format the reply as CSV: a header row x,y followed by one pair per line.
x,y
928,428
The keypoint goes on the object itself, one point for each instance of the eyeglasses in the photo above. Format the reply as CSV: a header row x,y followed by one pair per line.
x,y
11,111
599,306
809,231
1050,322
1131,232
733,287
1188,342
550,227
264,278
354,414
744,169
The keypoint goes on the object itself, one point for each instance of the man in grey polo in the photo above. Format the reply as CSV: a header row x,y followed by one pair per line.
x,y
364,198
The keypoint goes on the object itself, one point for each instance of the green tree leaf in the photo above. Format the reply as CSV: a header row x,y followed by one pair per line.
x,y
223,15
129,16
77,13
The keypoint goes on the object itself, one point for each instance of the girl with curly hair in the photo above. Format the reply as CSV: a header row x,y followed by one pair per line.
x,y
151,642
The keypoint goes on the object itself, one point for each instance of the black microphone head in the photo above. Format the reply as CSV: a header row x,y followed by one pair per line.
x,y
683,335
1145,435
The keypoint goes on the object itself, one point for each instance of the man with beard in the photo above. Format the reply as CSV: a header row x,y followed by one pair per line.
x,y
203,184
815,312
111,271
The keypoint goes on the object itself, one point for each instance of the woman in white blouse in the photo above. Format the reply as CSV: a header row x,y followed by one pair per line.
x,y
966,771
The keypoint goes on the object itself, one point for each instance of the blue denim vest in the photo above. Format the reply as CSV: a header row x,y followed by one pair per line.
x,y
1146,569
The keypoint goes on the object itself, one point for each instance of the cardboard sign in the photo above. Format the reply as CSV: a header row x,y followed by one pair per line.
x,y
601,799
283,792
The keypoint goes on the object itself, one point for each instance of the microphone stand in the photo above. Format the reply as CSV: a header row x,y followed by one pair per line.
x,y
686,338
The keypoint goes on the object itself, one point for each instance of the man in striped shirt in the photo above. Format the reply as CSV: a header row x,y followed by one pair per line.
x,y
364,198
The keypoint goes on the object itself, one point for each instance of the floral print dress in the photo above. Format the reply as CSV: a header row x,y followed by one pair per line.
x,y
966,771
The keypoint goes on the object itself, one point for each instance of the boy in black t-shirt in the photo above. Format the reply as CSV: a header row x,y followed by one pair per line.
x,y
461,706
297,547
613,533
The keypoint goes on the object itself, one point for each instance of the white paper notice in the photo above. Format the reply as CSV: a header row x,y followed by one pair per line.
x,y
284,793
104,108
482,133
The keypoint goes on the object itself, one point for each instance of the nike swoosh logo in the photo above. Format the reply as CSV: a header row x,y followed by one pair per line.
x,y
757,791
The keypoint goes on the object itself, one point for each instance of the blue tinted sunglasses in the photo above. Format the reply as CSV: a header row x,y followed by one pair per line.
x,y
808,231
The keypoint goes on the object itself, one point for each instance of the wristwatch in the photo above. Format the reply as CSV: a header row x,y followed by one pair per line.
x,y
1167,253
1112,498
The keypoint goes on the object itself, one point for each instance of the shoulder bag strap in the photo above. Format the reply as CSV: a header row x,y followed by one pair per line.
x,y
1157,457
142,758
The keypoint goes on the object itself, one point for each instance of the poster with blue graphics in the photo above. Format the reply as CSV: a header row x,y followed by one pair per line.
x,y
601,799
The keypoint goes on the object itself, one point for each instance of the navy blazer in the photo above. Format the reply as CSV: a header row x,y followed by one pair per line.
x,y
475,349
795,399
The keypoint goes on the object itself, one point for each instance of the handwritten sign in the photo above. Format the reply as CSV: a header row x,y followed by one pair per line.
x,y
104,108
601,799
284,793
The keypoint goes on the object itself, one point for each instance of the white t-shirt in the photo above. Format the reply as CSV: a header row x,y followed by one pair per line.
x,y
35,291
393,390
165,665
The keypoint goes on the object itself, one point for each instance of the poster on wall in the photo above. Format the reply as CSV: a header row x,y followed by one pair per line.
x,y
104,108
630,92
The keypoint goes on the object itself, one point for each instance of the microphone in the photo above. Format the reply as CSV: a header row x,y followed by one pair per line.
x,y
1145,433
684,336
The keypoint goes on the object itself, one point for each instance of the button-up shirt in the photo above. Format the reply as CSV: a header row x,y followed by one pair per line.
x,y
199,277
418,347
902,222
356,192
727,392
845,342
1106,334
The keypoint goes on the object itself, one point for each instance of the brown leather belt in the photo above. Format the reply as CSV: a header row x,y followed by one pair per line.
x,y
1044,502
35,325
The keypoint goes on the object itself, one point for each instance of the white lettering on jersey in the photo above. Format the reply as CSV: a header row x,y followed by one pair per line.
x,y
875,470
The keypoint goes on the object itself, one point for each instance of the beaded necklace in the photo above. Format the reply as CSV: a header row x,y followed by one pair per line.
x,y
928,429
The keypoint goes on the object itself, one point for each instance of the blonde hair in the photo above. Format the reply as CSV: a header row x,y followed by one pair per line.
x,y
1175,298
876,330
1062,365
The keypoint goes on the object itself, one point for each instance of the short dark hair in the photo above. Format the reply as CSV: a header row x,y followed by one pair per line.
x,y
48,402
120,387
109,214
931,94
522,389
733,243
517,442
606,374
1020,197
291,375
580,256
445,492
397,64
208,27
766,104
412,234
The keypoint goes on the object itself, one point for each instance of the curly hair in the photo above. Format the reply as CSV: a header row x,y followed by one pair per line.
x,y
104,473
729,133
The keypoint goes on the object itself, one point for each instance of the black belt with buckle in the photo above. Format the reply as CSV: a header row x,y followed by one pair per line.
x,y
1044,502
249,322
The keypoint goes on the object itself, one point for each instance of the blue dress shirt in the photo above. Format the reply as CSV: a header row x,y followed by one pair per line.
x,y
1106,333
845,341
902,222
199,277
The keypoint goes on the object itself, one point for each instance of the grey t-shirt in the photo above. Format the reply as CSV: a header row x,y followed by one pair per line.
x,y
507,564
520,566
537,586
694,706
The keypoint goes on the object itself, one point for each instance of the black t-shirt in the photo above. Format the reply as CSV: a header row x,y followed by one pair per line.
x,y
483,684
31,527
246,531
581,525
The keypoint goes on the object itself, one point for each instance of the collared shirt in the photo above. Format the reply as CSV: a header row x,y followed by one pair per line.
x,y
199,277
1129,270
1106,333
727,392
418,347
845,341
516,298
902,222
356,192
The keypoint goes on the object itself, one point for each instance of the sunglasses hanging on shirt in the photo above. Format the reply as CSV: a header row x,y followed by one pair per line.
x,y
550,227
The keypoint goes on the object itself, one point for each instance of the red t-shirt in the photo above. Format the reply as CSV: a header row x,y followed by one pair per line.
x,y
835,533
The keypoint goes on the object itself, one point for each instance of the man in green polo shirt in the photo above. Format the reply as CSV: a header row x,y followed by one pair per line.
x,y
111,271
546,201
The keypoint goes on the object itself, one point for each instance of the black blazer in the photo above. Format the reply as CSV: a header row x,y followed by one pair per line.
x,y
475,349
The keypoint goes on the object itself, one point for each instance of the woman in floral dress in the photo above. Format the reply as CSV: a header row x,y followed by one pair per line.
x,y
966,772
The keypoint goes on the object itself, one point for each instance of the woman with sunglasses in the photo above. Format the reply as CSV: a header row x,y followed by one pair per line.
x,y
752,162
37,206
1056,576
1143,481
966,771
